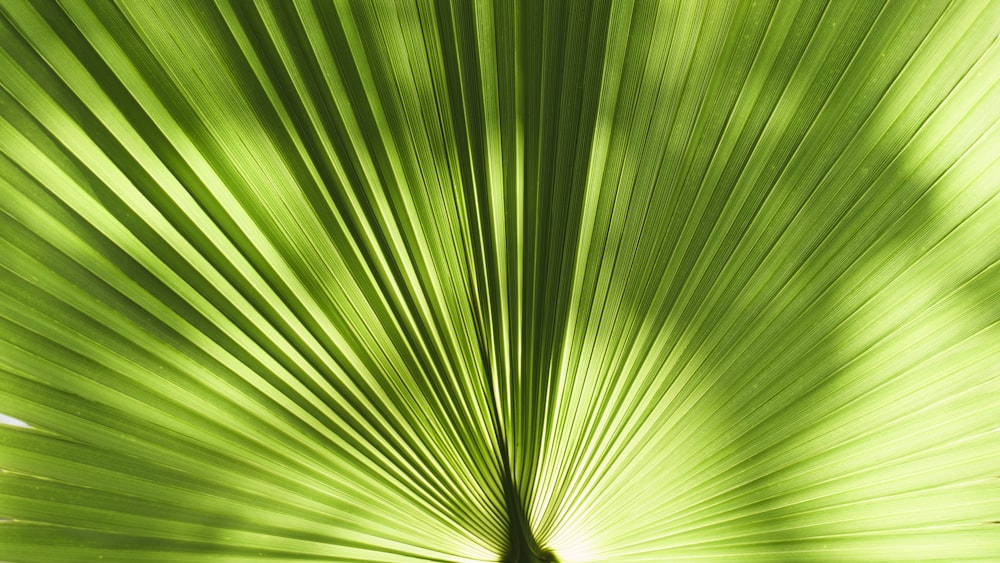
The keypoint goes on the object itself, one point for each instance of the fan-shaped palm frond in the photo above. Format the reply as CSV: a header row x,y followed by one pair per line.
x,y
417,280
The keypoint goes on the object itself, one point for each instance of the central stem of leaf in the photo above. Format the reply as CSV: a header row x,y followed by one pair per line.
x,y
521,544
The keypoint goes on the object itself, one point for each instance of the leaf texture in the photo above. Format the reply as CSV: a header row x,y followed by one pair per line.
x,y
413,280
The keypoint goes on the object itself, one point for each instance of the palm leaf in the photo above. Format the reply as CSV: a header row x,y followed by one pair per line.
x,y
467,281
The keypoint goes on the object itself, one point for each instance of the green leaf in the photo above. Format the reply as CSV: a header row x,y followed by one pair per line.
x,y
452,280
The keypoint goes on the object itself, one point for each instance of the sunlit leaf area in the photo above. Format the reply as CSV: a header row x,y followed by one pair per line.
x,y
511,281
